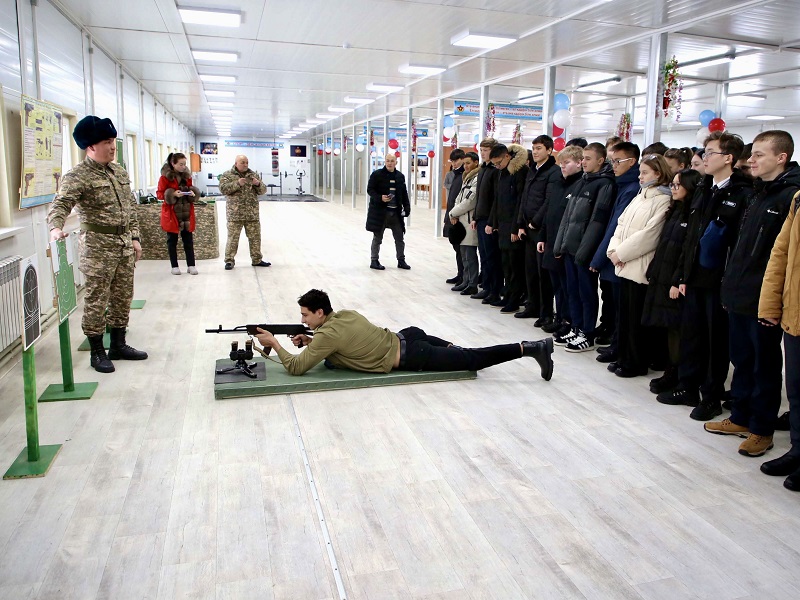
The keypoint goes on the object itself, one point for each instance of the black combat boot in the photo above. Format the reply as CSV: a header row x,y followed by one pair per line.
x,y
97,355
542,351
119,350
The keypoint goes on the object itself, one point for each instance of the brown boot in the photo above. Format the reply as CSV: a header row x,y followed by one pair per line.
x,y
726,427
756,445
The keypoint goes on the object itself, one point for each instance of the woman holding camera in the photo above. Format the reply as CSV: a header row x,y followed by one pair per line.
x,y
177,213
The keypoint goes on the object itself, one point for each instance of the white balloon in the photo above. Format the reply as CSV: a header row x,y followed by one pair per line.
x,y
562,118
373,153
359,147
701,136
336,151
448,132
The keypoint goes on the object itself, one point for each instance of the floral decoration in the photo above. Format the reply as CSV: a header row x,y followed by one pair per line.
x,y
673,89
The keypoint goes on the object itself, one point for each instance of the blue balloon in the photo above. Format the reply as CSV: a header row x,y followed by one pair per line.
x,y
392,135
706,116
560,102
477,138
448,121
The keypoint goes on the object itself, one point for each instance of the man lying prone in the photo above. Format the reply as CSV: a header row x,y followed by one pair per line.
x,y
348,340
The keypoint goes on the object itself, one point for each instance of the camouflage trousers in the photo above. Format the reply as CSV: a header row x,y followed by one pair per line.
x,y
252,229
109,284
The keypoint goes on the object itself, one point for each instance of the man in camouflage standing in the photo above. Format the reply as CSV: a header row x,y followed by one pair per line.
x,y
109,243
242,188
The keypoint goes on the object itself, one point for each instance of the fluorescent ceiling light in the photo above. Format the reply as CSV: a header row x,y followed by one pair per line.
x,y
215,56
529,93
692,123
316,121
218,78
481,40
357,100
751,96
421,69
638,127
210,16
765,117
384,87
340,109
426,120
597,114
711,60
219,103
601,82
221,111
326,116
219,94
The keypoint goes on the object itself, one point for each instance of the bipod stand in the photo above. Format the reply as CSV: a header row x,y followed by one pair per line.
x,y
68,390
241,357
34,460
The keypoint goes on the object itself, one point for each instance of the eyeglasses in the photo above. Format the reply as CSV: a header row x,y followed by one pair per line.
x,y
619,161
674,186
709,153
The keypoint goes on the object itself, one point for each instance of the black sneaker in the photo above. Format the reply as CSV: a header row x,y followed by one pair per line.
x,y
457,279
553,326
781,466
563,340
679,397
602,340
563,330
490,299
480,295
499,303
228,266
706,410
606,357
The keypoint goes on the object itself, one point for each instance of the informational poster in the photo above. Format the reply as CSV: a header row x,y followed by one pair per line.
x,y
42,144
31,311
252,144
62,259
472,108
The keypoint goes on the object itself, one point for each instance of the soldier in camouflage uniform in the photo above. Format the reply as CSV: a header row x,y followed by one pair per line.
x,y
109,242
242,188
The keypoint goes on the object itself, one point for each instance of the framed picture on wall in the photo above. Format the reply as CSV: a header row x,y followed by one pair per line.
x,y
422,161
297,151
208,147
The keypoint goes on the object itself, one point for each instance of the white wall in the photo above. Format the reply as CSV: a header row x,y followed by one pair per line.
x,y
64,80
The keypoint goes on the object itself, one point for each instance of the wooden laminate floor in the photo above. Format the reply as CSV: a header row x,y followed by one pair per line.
x,y
506,487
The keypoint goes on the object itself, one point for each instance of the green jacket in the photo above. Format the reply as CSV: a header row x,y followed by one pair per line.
x,y
242,204
349,341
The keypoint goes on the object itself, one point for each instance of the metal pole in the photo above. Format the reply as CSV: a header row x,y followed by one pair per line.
x,y
654,99
484,110
385,136
66,356
411,162
436,169
324,164
342,163
31,406
354,170
367,165
547,101
721,99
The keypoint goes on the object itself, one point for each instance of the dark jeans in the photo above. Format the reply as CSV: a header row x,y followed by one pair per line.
x,y
583,300
757,373
791,344
459,260
540,289
514,272
392,221
704,343
558,280
428,353
188,248
633,336
491,263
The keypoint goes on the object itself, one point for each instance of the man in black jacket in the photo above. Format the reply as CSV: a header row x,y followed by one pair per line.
x,y
542,181
488,248
713,226
388,205
457,161
512,172
755,348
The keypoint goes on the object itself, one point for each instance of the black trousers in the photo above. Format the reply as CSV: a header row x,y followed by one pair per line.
x,y
537,278
459,260
514,272
633,336
558,281
491,262
757,373
428,353
791,344
188,247
609,306
704,343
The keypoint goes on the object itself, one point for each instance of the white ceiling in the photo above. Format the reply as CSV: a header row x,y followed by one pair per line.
x,y
296,58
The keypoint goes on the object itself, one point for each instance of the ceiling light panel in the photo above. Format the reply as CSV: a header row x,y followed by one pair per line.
x,y
384,87
230,57
218,78
210,16
340,109
219,94
765,117
358,100
481,40
219,103
421,69
326,116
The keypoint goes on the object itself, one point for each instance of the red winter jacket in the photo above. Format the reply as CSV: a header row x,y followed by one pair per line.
x,y
173,221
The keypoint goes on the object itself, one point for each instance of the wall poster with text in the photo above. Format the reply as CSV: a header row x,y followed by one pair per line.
x,y
42,145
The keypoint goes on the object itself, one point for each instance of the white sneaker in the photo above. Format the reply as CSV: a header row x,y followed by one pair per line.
x,y
192,271
565,339
176,271
580,344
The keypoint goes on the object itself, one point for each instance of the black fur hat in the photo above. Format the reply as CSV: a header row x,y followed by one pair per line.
x,y
91,129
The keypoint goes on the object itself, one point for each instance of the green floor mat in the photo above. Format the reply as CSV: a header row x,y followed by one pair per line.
x,y
321,378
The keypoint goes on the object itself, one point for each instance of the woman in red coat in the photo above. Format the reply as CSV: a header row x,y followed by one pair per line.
x,y
177,213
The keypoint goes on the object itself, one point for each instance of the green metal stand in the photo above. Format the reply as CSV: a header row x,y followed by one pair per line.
x,y
69,390
137,304
34,460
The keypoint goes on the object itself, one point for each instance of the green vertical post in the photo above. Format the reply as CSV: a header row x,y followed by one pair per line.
x,y
66,356
31,406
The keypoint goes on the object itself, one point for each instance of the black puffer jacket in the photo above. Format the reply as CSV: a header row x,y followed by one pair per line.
x,y
766,211
508,188
452,194
554,209
727,205
659,309
586,216
487,179
539,184
379,185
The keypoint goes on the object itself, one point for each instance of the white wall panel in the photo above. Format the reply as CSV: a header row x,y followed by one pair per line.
x,y
60,59
132,100
105,85
149,115
9,48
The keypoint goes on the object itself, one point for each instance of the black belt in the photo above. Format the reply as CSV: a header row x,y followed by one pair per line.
x,y
402,350
109,229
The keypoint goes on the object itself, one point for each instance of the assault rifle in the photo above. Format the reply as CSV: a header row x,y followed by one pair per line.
x,y
280,329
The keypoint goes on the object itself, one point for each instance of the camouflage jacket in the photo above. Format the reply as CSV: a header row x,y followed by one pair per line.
x,y
103,196
242,204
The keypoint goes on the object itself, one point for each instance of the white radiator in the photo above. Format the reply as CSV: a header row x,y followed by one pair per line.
x,y
10,316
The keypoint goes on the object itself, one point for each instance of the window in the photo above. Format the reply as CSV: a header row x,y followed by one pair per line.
x,y
148,163
133,170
